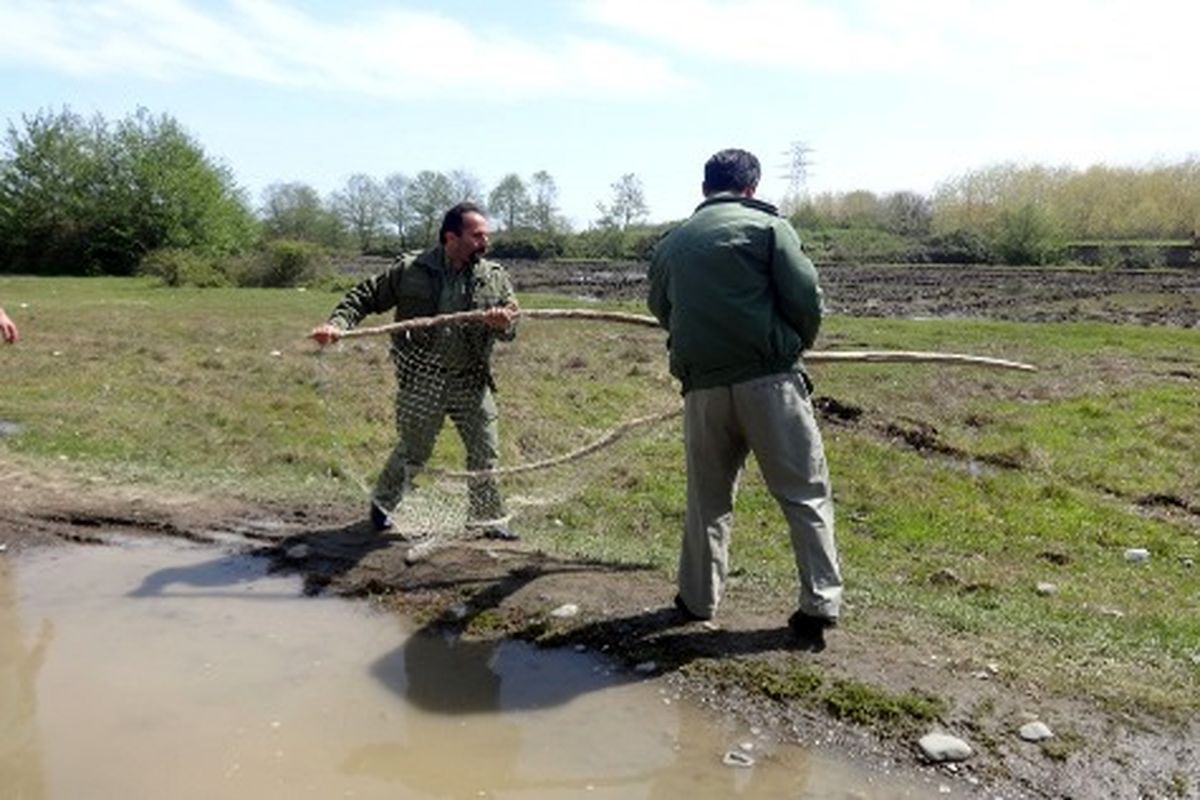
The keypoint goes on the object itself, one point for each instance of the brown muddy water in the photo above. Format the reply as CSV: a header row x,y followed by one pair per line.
x,y
157,670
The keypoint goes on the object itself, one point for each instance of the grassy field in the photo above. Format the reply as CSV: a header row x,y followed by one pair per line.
x,y
959,490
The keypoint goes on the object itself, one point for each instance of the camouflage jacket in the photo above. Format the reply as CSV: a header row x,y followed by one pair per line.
x,y
415,286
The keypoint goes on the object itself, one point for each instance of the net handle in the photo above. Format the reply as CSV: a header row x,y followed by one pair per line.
x,y
810,357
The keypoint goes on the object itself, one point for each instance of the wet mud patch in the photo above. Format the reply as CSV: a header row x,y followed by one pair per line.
x,y
479,591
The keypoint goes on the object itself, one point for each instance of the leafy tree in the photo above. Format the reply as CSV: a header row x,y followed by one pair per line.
x,y
92,197
1026,235
429,196
361,205
628,204
510,200
295,211
543,212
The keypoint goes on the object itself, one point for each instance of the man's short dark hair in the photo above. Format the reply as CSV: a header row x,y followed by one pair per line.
x,y
731,170
453,221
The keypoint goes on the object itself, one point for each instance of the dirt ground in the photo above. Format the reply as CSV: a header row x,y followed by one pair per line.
x,y
1031,295
488,589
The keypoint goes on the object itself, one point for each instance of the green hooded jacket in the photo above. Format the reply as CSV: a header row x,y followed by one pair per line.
x,y
423,285
736,293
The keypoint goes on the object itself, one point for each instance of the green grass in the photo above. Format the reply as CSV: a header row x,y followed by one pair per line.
x,y
218,390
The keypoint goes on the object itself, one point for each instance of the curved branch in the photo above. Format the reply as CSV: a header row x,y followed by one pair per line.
x,y
811,357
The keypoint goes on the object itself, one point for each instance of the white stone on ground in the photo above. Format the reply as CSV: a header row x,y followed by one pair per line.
x,y
941,747
565,611
1035,731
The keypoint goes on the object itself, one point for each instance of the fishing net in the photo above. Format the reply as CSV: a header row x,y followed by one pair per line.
x,y
577,396
580,396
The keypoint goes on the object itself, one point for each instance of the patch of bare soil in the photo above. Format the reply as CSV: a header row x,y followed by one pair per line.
x,y
485,589
1049,294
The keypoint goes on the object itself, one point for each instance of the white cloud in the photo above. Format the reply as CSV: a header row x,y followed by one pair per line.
x,y
393,54
1089,48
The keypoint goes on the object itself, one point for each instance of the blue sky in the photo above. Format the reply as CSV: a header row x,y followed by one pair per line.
x,y
888,95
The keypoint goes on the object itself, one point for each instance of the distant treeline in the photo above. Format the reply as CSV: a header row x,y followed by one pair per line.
x,y
86,196
1017,215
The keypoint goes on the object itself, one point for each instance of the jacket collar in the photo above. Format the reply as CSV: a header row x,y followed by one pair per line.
x,y
733,197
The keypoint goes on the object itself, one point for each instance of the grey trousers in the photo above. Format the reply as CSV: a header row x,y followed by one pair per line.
x,y
773,418
423,401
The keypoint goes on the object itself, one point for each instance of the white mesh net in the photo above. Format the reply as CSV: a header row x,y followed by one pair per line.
x,y
418,429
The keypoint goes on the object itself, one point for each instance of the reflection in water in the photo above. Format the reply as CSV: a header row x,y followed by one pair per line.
x,y
176,674
21,776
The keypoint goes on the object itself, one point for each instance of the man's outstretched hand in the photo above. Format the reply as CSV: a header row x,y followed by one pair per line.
x,y
500,317
326,333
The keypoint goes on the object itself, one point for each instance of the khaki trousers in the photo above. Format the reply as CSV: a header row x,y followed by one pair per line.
x,y
773,418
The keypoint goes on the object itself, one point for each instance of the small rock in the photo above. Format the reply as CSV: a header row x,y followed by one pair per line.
x,y
298,552
1035,731
747,746
1137,554
3,547
276,354
736,759
458,611
941,747
1045,588
565,611
645,668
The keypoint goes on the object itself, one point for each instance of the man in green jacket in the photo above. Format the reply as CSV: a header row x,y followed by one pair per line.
x,y
443,370
741,303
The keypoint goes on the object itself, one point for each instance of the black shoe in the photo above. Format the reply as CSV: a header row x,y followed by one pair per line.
x,y
381,521
686,612
808,627
501,533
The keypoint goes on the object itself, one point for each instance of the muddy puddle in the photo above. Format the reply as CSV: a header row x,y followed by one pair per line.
x,y
153,670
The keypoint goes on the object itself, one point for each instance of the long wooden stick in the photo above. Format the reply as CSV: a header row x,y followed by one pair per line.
x,y
810,357
477,316
603,441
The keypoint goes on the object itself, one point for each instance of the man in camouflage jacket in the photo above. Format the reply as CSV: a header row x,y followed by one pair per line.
x,y
442,370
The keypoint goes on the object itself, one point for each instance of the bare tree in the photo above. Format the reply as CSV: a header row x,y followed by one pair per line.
x,y
399,213
465,186
628,204
361,204
907,213
543,213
